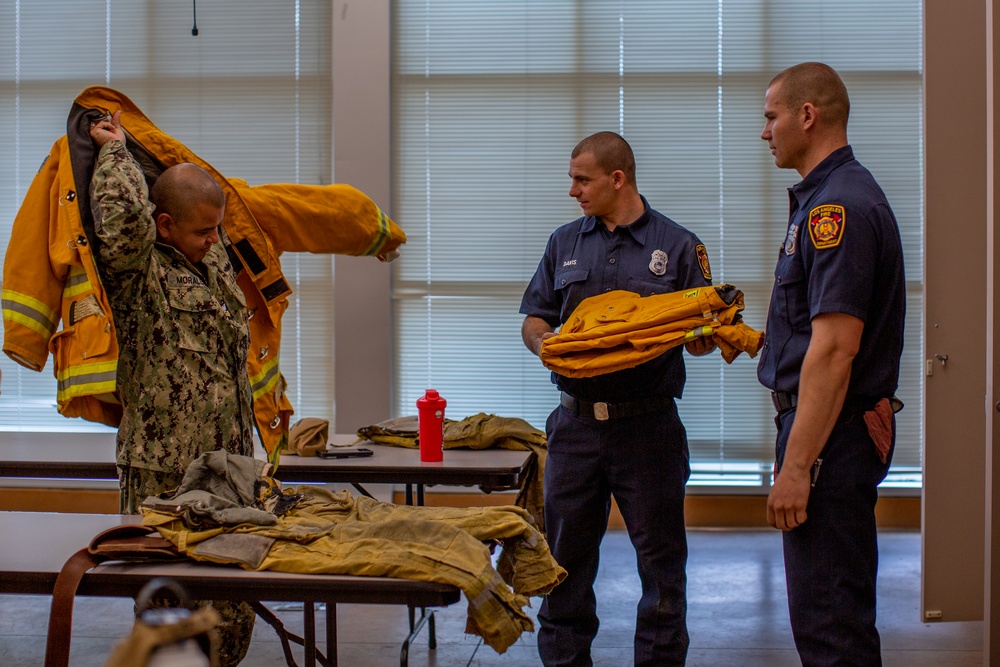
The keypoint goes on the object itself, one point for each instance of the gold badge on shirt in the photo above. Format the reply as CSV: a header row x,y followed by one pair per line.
x,y
658,263
826,225
702,253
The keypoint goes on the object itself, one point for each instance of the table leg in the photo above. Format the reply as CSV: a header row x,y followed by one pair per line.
x,y
331,633
362,490
426,616
309,632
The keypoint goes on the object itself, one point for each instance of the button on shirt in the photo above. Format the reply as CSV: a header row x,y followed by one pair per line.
x,y
583,258
841,254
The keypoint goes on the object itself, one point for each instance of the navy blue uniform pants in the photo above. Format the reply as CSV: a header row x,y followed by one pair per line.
x,y
831,560
643,462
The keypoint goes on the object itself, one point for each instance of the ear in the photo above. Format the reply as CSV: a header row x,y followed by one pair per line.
x,y
809,115
617,178
163,224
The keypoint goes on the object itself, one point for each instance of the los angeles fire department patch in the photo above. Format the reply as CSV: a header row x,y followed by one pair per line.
x,y
702,254
826,226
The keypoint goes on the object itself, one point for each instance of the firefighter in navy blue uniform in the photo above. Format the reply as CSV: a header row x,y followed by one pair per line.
x,y
831,359
616,434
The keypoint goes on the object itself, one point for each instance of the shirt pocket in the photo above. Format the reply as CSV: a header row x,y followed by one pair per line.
x,y
229,280
791,291
571,286
195,315
567,279
647,287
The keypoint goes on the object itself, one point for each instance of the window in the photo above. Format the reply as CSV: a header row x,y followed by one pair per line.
x,y
250,94
491,97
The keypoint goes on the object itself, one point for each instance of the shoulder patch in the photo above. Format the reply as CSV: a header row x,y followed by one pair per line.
x,y
826,226
702,254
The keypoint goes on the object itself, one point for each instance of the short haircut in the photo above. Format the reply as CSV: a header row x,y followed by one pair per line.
x,y
611,151
180,187
816,83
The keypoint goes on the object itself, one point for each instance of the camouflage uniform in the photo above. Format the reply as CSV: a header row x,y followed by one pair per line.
x,y
184,341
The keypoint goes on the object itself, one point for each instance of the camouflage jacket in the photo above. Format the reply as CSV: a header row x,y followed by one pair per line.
x,y
183,336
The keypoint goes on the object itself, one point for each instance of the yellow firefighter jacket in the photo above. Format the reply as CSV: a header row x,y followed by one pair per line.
x,y
51,275
617,330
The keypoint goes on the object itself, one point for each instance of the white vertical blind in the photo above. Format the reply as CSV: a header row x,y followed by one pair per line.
x,y
491,96
250,94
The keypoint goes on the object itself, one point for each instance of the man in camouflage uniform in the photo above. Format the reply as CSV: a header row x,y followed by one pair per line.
x,y
181,322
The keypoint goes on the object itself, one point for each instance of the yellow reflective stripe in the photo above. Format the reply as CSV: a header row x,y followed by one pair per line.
x,y
698,332
30,312
87,380
76,283
381,234
275,456
266,379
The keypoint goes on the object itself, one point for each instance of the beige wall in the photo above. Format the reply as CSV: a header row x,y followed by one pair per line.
x,y
991,606
955,233
361,140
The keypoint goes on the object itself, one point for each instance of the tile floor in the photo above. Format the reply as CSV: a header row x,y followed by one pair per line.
x,y
736,616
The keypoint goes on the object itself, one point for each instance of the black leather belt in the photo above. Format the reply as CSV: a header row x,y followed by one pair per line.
x,y
602,411
784,400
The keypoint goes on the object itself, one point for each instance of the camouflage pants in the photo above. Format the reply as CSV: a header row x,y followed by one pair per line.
x,y
236,629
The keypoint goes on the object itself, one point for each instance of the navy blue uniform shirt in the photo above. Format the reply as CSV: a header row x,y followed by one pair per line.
x,y
841,254
653,255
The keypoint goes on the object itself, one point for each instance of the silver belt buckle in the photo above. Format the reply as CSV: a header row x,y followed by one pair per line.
x,y
601,411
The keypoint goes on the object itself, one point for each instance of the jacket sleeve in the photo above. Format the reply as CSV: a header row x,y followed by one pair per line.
x,y
337,219
123,215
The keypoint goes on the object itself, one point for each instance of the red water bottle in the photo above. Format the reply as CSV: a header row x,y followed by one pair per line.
x,y
430,419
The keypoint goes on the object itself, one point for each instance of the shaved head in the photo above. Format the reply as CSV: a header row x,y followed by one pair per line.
x,y
182,187
816,83
611,151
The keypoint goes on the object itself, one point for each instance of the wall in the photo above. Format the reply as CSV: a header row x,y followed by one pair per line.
x,y
361,141
991,605
955,141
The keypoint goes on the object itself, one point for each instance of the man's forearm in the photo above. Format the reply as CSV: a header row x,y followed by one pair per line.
x,y
533,330
124,223
823,382
822,388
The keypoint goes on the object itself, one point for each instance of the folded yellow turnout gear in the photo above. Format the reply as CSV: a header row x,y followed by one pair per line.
x,y
618,330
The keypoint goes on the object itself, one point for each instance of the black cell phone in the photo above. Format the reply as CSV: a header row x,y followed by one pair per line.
x,y
344,453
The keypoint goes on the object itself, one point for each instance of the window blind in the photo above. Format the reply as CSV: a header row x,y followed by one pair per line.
x,y
250,94
491,97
